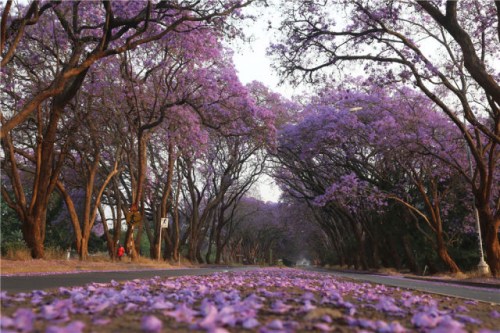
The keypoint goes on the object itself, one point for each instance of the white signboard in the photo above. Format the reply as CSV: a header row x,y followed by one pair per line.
x,y
164,222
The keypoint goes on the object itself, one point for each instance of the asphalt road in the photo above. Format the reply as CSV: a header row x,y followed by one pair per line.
x,y
490,295
13,284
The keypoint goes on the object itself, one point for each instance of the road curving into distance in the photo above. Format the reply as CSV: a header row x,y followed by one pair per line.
x,y
489,294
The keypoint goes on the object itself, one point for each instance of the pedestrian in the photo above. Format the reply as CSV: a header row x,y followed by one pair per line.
x,y
121,252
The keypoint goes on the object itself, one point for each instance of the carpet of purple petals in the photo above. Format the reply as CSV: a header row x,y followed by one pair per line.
x,y
264,300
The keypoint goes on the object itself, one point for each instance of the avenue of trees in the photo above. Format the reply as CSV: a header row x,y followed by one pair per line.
x,y
447,52
118,114
113,106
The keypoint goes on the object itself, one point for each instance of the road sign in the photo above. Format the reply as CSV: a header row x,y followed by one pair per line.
x,y
164,222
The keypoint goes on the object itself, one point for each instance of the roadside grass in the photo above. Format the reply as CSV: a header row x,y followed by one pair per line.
x,y
20,263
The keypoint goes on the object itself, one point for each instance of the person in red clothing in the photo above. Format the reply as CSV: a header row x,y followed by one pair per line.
x,y
121,252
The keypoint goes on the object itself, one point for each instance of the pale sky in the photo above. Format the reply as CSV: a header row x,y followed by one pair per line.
x,y
253,64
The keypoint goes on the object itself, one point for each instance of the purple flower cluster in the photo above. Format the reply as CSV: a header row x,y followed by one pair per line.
x,y
264,300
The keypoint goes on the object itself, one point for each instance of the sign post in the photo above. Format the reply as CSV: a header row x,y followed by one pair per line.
x,y
163,224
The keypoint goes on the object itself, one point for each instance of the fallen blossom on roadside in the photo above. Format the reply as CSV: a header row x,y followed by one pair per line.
x,y
259,300
74,327
151,324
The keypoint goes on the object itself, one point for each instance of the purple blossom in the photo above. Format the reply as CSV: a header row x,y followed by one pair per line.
x,y
276,324
387,304
467,319
73,327
280,307
221,306
447,324
323,327
151,324
182,313
250,323
425,320
495,314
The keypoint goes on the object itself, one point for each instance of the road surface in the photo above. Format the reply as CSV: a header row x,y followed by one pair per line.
x,y
14,284
490,295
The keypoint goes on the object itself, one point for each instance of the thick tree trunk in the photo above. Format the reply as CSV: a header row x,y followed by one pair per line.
x,y
130,243
443,254
492,249
218,247
199,258
193,241
489,230
84,248
138,237
34,238
211,240
441,247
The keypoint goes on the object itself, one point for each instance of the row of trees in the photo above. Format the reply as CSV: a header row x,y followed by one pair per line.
x,y
448,51
376,168
132,111
122,106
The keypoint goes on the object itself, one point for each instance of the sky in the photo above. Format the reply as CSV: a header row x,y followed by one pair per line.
x,y
253,64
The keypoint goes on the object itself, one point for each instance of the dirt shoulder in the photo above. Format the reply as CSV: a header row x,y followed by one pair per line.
x,y
33,267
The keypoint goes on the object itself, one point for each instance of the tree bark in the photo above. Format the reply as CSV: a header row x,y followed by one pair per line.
x,y
412,262
489,230
130,243
442,252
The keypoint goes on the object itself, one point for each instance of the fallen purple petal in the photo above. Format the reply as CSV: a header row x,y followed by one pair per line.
x,y
151,324
74,327
264,300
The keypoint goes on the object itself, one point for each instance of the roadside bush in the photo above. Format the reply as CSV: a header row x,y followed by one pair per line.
x,y
15,250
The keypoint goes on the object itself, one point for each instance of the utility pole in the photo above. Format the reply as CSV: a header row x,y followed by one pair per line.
x,y
482,266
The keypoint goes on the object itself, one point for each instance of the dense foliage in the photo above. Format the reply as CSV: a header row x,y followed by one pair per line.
x,y
118,115
447,50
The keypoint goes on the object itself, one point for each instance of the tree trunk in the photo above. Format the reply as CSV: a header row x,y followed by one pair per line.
x,y
117,221
218,247
199,258
393,253
375,253
155,241
84,248
193,241
211,239
492,248
489,231
444,256
176,254
130,244
412,262
109,239
32,234
442,250
138,237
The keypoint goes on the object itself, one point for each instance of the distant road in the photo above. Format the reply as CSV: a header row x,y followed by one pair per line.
x,y
14,284
490,295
